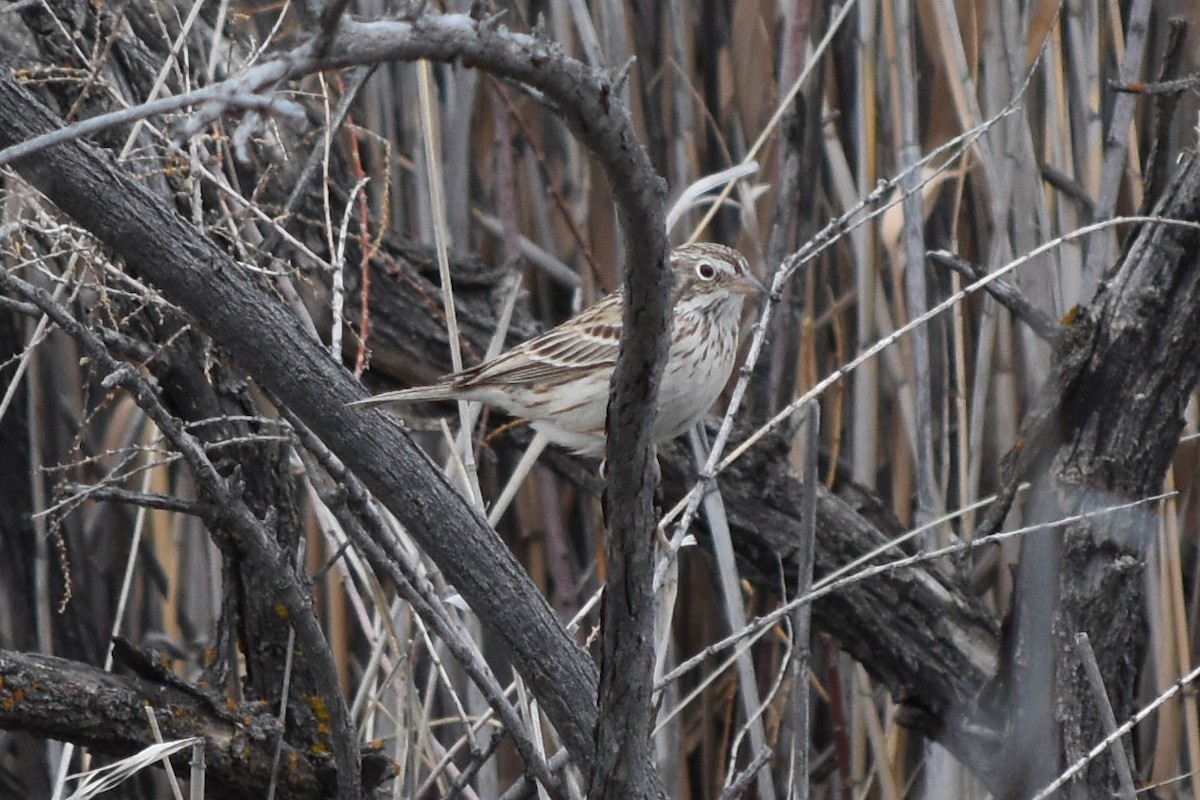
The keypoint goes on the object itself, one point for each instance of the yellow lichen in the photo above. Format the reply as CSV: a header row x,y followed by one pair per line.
x,y
11,701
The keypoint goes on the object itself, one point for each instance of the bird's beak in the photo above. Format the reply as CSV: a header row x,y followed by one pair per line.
x,y
746,284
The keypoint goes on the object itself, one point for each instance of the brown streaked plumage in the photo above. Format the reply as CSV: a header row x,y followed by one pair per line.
x,y
559,380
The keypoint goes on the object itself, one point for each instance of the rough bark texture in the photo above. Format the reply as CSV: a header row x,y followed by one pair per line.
x,y
625,763
68,700
625,760
197,390
1120,420
1101,433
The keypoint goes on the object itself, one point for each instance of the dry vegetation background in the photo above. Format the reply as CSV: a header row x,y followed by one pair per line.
x,y
1000,118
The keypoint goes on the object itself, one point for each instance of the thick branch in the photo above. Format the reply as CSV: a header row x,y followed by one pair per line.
x,y
1120,419
626,765
74,702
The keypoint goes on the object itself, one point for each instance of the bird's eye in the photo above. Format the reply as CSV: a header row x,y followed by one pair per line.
x,y
706,271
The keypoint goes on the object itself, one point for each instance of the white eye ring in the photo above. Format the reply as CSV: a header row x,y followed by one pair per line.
x,y
706,271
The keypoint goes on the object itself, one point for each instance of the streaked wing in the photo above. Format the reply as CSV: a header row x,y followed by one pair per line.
x,y
586,342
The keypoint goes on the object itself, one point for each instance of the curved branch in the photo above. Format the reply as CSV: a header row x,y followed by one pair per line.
x,y
269,344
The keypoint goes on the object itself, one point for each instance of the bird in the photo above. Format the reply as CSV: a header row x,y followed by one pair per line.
x,y
559,379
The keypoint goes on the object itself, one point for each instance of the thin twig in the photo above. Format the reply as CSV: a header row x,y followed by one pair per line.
x,y
1073,770
870,207
735,613
1010,296
143,499
1087,656
691,500
781,109
802,616
1175,86
742,781
371,535
823,587
1116,139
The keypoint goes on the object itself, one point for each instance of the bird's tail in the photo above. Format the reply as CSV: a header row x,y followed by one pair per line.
x,y
403,396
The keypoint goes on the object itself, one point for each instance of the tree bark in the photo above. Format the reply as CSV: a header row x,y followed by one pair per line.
x,y
67,700
1120,420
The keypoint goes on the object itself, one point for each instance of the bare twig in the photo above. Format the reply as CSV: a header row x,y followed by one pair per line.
x,y
1087,657
162,502
581,95
824,587
371,535
802,617
741,781
1070,772
731,596
1010,296
1116,139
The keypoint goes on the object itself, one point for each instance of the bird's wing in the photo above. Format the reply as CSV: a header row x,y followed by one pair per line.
x,y
584,343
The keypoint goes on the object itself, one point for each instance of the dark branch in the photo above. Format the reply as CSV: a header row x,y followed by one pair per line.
x,y
1009,296
74,702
